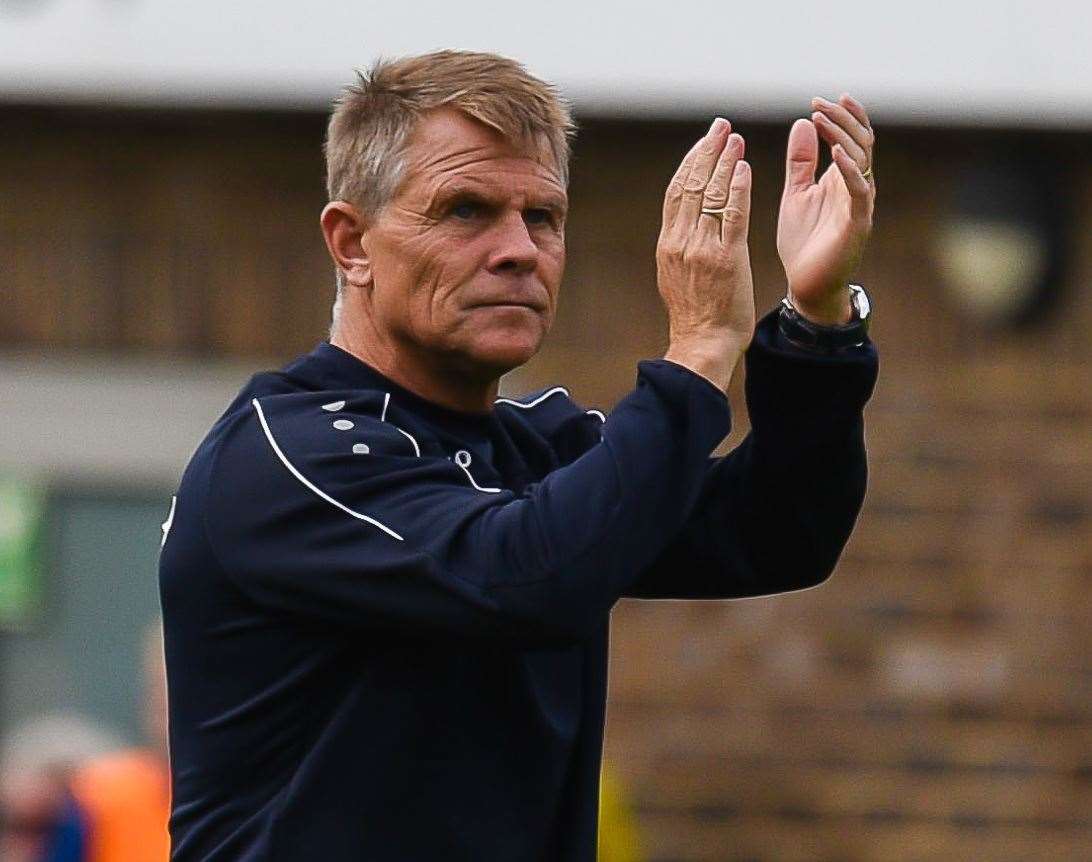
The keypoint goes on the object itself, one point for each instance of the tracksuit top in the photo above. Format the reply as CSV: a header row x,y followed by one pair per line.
x,y
386,621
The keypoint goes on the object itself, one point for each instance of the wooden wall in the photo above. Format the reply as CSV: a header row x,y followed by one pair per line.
x,y
932,701
172,235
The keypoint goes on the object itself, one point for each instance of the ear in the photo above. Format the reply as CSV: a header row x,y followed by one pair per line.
x,y
343,229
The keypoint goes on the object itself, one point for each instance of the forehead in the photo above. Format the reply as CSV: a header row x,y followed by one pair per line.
x,y
447,145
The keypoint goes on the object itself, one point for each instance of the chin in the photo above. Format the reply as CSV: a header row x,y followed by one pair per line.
x,y
502,358
502,348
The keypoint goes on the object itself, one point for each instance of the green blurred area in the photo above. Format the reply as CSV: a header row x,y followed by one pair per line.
x,y
22,505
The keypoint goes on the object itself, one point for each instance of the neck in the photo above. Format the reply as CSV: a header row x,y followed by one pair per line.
x,y
436,378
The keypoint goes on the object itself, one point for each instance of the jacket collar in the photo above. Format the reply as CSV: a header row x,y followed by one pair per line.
x,y
331,368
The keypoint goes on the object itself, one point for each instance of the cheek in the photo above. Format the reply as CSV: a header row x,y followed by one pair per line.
x,y
451,267
552,268
413,273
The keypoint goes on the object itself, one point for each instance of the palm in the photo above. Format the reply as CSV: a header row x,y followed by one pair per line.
x,y
823,225
816,237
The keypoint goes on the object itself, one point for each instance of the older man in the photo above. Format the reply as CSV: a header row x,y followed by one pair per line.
x,y
387,591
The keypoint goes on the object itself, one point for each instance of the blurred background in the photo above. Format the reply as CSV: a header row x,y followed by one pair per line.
x,y
161,177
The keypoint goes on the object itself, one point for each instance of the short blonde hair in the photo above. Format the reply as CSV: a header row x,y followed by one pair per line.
x,y
372,121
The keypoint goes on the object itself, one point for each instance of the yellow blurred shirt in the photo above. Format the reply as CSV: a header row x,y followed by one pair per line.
x,y
617,826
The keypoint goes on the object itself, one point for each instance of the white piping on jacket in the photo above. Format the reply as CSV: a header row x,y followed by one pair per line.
x,y
530,404
166,525
475,484
409,437
309,485
406,434
598,414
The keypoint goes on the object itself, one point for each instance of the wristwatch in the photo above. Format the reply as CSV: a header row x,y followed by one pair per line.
x,y
827,339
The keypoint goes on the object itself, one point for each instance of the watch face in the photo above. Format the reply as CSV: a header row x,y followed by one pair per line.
x,y
803,333
860,302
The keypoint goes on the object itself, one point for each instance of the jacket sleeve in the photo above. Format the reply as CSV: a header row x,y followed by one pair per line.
x,y
359,530
775,513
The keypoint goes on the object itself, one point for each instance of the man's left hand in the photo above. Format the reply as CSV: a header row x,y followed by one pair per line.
x,y
823,226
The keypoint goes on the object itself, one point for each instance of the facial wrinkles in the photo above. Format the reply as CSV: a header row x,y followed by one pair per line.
x,y
463,157
498,182
431,265
441,262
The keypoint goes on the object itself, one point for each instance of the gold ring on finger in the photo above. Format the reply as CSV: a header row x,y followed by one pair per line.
x,y
867,173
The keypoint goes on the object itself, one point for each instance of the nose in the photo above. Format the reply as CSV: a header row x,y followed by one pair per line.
x,y
514,251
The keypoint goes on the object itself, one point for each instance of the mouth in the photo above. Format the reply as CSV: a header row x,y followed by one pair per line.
x,y
512,303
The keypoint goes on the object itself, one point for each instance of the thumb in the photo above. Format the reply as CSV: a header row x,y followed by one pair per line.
x,y
801,156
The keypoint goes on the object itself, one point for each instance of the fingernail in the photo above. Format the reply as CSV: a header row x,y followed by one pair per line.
x,y
718,124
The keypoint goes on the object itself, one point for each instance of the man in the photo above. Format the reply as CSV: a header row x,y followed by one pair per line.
x,y
387,592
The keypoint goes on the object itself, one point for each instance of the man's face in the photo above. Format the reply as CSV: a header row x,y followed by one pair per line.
x,y
466,259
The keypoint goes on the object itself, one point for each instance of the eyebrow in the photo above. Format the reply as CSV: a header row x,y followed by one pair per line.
x,y
470,189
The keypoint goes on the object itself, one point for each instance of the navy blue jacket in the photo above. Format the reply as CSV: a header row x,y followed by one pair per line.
x,y
386,621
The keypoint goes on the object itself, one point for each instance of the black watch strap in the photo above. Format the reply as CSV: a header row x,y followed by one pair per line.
x,y
827,339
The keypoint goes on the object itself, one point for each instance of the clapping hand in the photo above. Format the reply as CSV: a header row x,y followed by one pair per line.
x,y
702,261
823,226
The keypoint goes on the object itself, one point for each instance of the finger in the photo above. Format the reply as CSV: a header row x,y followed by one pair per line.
x,y
716,193
737,217
860,189
718,190
701,168
675,187
855,108
801,156
844,119
835,134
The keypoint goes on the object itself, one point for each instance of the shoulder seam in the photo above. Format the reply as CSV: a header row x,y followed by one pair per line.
x,y
307,482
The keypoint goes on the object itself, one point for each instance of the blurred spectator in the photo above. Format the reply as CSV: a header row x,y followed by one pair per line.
x,y
71,793
39,818
124,797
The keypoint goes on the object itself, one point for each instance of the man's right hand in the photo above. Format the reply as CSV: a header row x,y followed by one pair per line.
x,y
702,261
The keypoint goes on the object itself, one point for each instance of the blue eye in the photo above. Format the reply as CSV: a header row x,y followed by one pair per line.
x,y
537,216
465,211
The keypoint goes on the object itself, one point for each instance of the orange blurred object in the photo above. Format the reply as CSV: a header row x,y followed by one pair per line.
x,y
126,799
